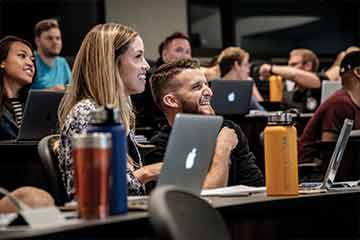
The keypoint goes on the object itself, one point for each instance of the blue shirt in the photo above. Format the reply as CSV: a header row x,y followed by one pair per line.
x,y
50,76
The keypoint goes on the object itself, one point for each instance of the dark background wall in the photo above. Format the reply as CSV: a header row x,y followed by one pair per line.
x,y
76,17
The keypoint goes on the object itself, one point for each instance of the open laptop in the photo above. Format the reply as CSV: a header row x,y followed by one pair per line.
x,y
188,154
231,97
40,115
328,88
335,161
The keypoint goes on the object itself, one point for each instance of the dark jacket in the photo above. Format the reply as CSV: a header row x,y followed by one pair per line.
x,y
8,127
243,169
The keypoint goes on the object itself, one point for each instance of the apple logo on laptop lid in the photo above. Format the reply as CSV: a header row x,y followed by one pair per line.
x,y
190,159
231,97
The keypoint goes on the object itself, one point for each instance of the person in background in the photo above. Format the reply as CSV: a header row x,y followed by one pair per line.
x,y
175,46
17,70
302,88
327,121
181,87
212,69
234,65
333,73
53,71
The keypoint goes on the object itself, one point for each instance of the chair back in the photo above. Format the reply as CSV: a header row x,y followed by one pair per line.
x,y
176,214
49,160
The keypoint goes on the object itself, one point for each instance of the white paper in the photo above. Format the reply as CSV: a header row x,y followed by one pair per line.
x,y
233,191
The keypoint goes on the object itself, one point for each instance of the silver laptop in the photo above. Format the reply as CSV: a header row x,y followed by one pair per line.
x,y
188,155
328,88
335,160
189,151
40,115
231,97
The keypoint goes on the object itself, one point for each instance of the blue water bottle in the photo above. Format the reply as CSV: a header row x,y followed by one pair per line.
x,y
107,119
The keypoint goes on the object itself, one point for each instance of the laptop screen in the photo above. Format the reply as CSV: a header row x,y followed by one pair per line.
x,y
231,97
40,114
189,151
328,88
338,153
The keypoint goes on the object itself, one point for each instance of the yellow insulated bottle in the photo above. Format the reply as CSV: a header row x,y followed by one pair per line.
x,y
281,163
275,88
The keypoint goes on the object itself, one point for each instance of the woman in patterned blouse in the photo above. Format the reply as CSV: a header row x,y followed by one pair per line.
x,y
109,67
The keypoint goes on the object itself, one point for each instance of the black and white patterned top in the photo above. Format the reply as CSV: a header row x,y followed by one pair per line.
x,y
17,109
76,122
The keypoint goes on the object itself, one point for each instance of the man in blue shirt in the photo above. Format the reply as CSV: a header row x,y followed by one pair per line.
x,y
53,71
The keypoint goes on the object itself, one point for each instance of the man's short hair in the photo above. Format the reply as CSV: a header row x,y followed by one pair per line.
x,y
45,25
161,81
168,40
228,57
307,56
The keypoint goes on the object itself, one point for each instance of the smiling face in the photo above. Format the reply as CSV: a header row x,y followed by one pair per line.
x,y
193,94
18,67
133,67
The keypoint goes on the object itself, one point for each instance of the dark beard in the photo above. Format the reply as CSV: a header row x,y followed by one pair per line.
x,y
188,107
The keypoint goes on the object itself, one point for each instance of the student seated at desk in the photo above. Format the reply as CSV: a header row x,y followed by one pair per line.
x,y
17,70
303,83
327,121
181,87
109,67
234,65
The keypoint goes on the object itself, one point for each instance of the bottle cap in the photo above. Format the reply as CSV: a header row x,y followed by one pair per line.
x,y
280,118
105,114
91,140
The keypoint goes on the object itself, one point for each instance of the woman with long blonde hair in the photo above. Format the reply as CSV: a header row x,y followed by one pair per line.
x,y
109,67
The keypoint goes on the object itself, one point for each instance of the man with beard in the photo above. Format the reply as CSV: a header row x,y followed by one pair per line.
x,y
53,71
181,87
303,82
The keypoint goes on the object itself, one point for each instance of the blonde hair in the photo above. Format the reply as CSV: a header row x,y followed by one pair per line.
x,y
95,74
307,56
227,58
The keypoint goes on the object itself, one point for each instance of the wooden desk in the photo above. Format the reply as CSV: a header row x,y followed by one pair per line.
x,y
327,215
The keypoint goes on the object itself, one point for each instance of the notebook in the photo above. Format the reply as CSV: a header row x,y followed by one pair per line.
x,y
231,97
40,115
328,88
188,154
335,161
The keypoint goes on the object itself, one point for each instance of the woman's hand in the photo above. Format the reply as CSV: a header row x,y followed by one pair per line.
x,y
148,173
